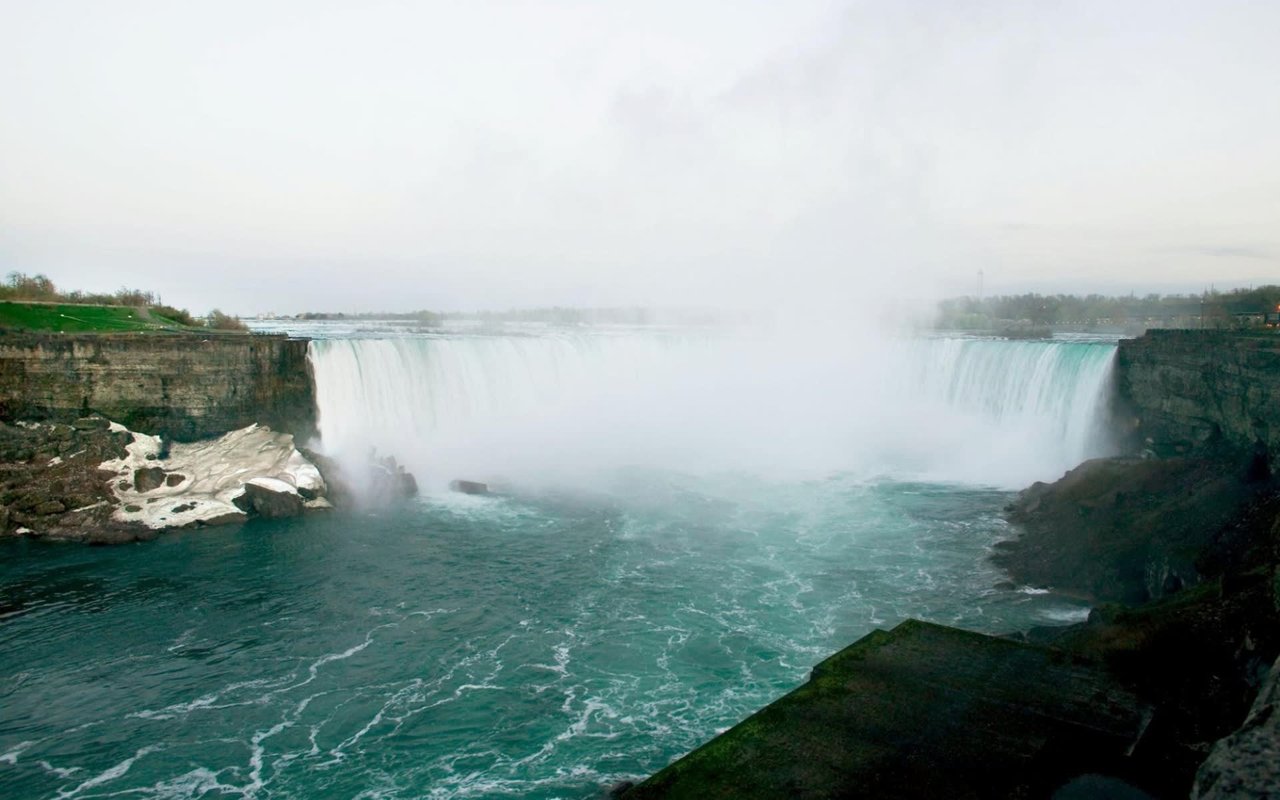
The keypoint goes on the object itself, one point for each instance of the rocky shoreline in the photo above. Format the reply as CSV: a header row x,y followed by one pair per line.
x,y
1181,558
95,481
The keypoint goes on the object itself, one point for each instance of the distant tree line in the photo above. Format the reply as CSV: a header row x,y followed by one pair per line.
x,y
426,318
39,289
1212,309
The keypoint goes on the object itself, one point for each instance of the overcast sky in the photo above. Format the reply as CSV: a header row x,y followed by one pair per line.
x,y
396,155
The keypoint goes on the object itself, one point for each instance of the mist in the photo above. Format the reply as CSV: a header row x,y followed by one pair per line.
x,y
578,410
302,156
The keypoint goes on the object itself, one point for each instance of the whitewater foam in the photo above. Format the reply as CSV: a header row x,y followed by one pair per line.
x,y
572,408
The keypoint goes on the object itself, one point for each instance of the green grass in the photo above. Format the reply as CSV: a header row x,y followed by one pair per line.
x,y
67,318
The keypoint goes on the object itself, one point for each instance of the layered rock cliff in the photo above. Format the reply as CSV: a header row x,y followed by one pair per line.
x,y
1187,391
184,387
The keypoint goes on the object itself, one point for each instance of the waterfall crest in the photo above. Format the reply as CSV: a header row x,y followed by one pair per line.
x,y
574,406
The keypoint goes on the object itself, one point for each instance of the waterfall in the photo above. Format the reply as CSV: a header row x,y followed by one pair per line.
x,y
578,406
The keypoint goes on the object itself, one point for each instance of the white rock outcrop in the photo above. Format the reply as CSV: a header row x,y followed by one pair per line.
x,y
205,482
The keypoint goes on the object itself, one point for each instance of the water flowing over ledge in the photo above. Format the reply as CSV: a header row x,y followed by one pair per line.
x,y
567,406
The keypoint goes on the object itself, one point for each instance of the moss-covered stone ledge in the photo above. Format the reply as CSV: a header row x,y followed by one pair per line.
x,y
922,711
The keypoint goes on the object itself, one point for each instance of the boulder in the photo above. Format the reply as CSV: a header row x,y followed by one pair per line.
x,y
270,499
469,487
148,479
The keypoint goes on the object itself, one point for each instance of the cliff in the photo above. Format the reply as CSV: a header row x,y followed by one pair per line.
x,y
181,386
1187,391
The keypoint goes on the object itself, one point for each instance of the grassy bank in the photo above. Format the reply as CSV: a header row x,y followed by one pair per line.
x,y
75,318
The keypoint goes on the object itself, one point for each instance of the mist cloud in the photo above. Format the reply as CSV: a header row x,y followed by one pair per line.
x,y
297,155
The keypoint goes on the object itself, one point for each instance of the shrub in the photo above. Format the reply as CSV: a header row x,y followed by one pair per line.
x,y
178,315
224,322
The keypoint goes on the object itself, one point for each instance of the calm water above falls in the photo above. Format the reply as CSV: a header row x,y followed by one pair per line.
x,y
536,645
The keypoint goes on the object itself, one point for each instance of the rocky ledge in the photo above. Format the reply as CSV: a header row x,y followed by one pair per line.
x,y
95,481
924,711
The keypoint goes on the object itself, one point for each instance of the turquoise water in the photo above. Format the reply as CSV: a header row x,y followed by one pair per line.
x,y
530,646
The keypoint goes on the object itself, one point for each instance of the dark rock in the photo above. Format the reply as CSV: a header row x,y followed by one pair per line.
x,y
132,508
49,507
1259,468
1122,529
64,496
376,482
271,504
181,507
618,789
1197,391
1099,787
922,711
148,479
174,478
117,534
30,500
91,424
1246,764
469,487
229,518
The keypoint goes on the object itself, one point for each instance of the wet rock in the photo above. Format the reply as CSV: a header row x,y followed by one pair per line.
x,y
376,482
619,789
271,502
1122,529
174,478
229,518
921,711
469,487
148,479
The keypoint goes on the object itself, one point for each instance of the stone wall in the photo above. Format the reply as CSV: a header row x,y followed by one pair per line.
x,y
1186,391
181,386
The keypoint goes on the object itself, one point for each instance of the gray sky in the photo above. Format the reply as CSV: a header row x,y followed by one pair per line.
x,y
395,155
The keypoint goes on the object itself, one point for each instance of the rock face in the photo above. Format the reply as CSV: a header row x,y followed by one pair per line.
x,y
50,484
1246,764
1187,391
922,711
184,387
1123,529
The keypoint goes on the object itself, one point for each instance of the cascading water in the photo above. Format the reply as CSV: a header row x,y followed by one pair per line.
x,y
750,506
531,408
